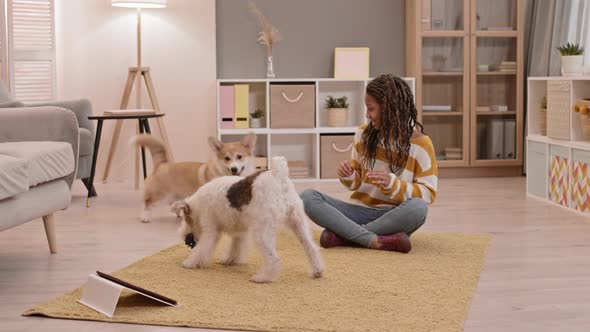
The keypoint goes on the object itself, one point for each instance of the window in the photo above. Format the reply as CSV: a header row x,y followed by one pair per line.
x,y
3,44
28,49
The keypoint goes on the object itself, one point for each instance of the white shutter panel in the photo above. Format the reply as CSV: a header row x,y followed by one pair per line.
x,y
31,32
3,44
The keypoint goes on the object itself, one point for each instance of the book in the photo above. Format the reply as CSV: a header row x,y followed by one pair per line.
x,y
102,292
226,106
241,102
495,139
510,139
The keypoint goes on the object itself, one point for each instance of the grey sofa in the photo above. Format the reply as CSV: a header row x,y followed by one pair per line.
x,y
38,162
82,109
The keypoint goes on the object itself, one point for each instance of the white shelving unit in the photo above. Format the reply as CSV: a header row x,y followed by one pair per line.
x,y
300,143
558,170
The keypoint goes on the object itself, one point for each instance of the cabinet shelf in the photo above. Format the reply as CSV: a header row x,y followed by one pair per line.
x,y
299,145
556,168
444,33
442,113
496,73
496,33
442,73
492,113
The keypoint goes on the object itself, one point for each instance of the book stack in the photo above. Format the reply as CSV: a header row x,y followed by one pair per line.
x,y
505,67
453,153
298,169
501,139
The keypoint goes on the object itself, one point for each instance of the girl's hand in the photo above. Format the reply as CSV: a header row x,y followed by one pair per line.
x,y
380,178
345,169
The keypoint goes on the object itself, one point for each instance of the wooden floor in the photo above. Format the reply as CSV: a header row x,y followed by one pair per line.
x,y
536,275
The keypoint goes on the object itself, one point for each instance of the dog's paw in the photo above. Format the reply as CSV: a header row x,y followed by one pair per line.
x,y
145,217
261,279
232,261
317,274
228,261
189,264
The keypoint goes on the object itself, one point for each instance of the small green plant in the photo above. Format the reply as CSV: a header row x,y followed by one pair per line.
x,y
257,114
341,102
544,103
571,49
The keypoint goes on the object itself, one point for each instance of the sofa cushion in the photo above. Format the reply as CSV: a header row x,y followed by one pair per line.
x,y
14,178
86,142
11,104
46,161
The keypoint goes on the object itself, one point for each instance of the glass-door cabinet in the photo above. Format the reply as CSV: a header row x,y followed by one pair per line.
x,y
466,56
496,76
443,77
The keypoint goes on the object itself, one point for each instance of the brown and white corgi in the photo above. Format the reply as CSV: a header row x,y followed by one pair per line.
x,y
178,180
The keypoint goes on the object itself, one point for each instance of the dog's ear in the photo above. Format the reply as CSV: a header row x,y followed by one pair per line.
x,y
249,141
215,144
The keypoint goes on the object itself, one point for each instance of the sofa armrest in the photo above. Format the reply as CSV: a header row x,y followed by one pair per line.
x,y
81,107
41,124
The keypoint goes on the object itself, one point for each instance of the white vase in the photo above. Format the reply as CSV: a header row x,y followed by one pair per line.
x,y
270,72
571,65
337,117
257,122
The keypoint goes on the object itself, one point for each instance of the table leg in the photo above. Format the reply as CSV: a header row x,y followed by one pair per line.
x,y
146,126
141,131
94,157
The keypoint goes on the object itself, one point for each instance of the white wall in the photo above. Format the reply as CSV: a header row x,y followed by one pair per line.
x,y
96,43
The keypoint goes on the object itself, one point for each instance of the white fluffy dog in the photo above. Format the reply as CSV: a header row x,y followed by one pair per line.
x,y
255,206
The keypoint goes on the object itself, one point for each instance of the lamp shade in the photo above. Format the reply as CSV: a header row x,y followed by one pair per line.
x,y
139,3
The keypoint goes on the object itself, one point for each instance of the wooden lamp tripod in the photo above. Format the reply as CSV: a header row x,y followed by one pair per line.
x,y
136,75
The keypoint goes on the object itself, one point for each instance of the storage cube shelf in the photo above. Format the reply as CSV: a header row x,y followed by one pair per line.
x,y
557,169
303,142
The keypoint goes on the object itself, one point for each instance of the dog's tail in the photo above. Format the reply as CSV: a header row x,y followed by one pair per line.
x,y
279,168
183,210
157,148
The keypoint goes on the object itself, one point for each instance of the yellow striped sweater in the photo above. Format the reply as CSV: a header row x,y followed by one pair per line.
x,y
418,179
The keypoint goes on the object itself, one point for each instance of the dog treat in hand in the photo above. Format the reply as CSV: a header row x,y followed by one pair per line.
x,y
189,240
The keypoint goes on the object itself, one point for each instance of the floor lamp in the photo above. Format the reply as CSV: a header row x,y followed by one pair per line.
x,y
135,76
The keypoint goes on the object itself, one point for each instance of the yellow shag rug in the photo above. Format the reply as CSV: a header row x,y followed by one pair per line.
x,y
428,289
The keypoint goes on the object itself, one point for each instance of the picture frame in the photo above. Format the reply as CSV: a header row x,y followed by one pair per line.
x,y
351,62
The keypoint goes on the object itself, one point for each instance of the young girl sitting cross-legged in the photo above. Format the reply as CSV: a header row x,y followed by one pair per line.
x,y
392,173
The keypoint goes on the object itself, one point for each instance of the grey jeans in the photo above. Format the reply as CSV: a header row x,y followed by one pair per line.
x,y
361,224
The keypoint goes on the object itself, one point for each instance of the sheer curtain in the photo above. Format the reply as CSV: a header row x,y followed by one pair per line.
x,y
549,24
578,26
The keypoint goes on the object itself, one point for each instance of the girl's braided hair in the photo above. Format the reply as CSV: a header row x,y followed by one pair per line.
x,y
398,121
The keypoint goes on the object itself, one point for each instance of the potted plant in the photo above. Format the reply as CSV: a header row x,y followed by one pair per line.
x,y
571,59
543,116
337,111
257,120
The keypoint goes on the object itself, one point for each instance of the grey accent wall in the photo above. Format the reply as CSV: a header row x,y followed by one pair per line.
x,y
311,30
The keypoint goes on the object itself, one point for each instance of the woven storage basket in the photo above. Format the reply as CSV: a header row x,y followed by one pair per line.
x,y
292,105
558,109
585,123
333,150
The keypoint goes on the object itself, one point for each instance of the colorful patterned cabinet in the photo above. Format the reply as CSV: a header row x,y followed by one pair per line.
x,y
558,169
